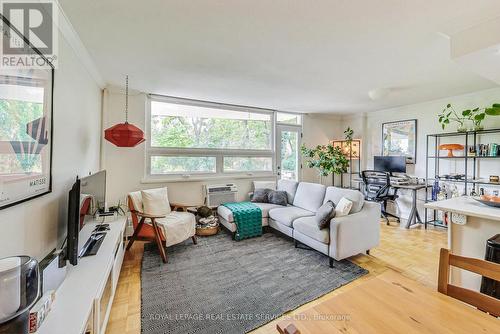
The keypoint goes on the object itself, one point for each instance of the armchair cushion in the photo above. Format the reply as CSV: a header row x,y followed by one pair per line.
x,y
155,201
177,226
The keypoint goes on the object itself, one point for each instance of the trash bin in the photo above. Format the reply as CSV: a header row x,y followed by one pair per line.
x,y
490,286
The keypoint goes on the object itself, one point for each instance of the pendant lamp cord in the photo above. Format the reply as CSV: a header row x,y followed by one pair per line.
x,y
126,99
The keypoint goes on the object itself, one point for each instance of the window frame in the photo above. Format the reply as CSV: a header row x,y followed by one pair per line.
x,y
219,154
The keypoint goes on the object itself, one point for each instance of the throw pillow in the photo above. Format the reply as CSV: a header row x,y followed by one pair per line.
x,y
343,207
324,214
278,197
155,202
261,195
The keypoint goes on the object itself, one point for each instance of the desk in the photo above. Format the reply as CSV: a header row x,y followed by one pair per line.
x,y
414,217
391,303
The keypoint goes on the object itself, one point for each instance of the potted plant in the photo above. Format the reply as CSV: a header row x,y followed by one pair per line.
x,y
476,116
326,159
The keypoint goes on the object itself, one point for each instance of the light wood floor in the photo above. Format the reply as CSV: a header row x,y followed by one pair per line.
x,y
413,253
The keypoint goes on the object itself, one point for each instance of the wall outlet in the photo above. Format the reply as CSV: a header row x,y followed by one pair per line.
x,y
458,218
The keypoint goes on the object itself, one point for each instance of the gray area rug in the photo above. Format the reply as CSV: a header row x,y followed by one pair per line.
x,y
226,286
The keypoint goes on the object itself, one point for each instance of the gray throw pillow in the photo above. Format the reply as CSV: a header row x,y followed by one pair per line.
x,y
277,197
324,214
260,195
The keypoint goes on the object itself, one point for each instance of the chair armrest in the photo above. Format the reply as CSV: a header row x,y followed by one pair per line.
x,y
145,215
355,233
176,206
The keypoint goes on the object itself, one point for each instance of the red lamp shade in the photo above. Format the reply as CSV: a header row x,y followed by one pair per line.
x,y
124,135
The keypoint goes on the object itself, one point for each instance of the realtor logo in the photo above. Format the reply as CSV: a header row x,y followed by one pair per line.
x,y
34,21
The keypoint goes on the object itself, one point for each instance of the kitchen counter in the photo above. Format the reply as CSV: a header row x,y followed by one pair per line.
x,y
483,222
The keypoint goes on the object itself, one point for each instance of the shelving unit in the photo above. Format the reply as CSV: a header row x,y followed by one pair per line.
x,y
354,155
469,138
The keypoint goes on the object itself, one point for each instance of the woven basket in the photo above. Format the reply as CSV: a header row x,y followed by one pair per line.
x,y
206,231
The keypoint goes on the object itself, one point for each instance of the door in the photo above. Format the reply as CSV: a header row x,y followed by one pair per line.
x,y
288,157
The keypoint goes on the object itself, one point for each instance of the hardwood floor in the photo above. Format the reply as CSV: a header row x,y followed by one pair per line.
x,y
413,253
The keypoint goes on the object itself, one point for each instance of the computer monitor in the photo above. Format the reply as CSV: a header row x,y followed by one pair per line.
x,y
391,164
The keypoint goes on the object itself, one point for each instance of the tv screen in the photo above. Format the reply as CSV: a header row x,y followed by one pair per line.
x,y
73,223
391,164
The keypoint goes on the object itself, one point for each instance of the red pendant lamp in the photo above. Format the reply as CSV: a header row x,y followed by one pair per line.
x,y
124,134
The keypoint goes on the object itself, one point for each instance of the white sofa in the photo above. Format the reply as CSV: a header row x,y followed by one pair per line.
x,y
355,233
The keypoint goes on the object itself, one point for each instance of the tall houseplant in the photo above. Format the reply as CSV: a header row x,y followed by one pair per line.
x,y
326,159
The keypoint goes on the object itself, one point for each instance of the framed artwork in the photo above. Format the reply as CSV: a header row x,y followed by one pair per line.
x,y
26,127
400,138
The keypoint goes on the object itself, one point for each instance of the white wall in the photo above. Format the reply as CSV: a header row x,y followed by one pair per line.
x,y
125,166
33,227
368,127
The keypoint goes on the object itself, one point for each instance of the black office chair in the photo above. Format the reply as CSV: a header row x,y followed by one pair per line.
x,y
378,189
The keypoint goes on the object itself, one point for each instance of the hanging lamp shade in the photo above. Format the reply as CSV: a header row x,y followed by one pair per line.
x,y
124,134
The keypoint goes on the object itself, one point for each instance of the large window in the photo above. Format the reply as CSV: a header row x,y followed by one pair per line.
x,y
195,138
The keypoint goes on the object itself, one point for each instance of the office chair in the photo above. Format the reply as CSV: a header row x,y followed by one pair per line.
x,y
378,189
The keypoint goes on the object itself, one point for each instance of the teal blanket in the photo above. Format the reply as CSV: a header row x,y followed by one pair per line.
x,y
248,219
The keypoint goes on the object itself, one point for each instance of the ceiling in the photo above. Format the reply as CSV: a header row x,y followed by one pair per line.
x,y
305,56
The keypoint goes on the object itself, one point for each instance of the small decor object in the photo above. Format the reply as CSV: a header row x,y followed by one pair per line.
x,y
326,159
494,178
451,148
400,138
19,289
493,201
124,134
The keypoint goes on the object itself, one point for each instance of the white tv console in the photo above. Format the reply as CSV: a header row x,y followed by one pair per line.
x,y
83,301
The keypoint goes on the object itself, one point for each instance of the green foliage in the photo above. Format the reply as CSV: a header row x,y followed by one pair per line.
x,y
476,115
327,159
348,134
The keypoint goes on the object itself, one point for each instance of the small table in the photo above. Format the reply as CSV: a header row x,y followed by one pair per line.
x,y
390,303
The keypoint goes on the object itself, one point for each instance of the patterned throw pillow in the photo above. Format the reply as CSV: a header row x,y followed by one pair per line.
x,y
261,195
278,197
324,214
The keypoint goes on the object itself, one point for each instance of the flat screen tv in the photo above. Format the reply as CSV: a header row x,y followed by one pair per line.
x,y
86,197
391,164
73,223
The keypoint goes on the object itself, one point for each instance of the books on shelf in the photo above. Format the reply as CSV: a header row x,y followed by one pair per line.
x,y
484,150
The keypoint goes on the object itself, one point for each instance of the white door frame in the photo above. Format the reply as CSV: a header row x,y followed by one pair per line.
x,y
291,128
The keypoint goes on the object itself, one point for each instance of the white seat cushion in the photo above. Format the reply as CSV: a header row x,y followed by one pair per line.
x,y
177,226
225,213
309,227
287,215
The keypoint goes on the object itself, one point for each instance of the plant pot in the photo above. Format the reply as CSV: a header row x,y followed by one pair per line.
x,y
462,128
478,127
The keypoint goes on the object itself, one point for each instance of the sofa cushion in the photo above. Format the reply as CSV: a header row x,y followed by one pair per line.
x,y
278,197
324,214
261,195
309,227
334,194
309,196
225,213
287,215
290,187
264,185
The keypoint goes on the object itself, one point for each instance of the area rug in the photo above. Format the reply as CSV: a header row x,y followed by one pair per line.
x,y
227,286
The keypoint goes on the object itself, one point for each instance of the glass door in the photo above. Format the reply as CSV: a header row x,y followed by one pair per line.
x,y
288,158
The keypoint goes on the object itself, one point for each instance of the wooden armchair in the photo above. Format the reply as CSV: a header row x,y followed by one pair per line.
x,y
486,268
151,232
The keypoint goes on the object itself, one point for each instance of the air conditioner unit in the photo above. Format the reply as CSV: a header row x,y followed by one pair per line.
x,y
216,194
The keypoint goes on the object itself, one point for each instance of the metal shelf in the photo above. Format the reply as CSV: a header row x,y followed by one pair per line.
x,y
466,157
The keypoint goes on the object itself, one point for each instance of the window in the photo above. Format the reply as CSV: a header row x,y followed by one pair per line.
x,y
293,119
191,137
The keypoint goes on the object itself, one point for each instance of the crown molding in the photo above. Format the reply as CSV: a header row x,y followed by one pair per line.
x,y
74,41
